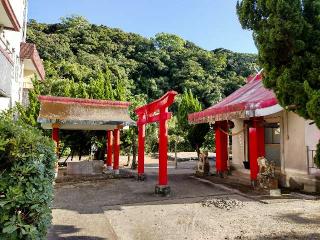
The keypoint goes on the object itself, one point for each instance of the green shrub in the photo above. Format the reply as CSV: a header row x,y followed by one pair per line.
x,y
27,160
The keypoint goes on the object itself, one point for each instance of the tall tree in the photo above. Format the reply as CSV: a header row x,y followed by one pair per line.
x,y
194,133
287,34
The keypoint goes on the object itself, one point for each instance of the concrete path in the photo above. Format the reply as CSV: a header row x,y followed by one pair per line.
x,y
128,210
79,208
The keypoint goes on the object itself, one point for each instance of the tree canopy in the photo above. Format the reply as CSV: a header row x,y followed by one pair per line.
x,y
287,34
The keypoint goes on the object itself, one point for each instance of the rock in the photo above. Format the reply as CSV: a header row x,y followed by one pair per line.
x,y
222,203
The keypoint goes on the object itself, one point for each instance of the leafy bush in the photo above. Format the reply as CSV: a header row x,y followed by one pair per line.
x,y
27,160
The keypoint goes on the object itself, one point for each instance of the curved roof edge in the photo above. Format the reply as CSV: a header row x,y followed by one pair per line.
x,y
253,96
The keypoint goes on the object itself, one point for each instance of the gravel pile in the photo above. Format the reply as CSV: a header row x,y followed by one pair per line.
x,y
222,203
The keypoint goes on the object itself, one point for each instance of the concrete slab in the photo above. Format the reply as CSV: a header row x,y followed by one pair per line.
x,y
85,167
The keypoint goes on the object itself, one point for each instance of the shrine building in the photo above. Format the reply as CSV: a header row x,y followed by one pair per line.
x,y
258,126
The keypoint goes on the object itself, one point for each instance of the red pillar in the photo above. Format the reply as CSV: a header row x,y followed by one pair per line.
x,y
116,150
256,146
221,146
163,148
109,150
55,137
141,137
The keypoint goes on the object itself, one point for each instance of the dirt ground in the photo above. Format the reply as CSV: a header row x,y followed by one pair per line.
x,y
126,209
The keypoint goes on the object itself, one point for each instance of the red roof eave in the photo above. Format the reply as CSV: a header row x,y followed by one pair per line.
x,y
251,96
29,51
12,16
84,102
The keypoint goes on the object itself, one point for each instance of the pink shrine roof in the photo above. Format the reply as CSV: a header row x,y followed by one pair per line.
x,y
252,96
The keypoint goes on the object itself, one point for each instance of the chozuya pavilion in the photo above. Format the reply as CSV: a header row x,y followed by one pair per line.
x,y
262,128
87,114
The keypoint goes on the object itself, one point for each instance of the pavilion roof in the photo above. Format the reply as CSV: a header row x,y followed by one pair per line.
x,y
83,114
240,104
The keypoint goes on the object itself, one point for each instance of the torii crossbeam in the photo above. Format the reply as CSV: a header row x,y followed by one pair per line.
x,y
156,111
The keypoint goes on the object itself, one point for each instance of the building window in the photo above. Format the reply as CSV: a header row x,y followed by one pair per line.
x,y
272,134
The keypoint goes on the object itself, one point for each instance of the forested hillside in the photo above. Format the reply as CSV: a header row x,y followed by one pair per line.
x,y
90,61
77,52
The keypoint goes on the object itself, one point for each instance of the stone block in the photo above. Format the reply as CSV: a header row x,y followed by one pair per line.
x,y
85,168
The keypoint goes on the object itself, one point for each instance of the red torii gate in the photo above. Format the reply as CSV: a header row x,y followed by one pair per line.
x,y
156,111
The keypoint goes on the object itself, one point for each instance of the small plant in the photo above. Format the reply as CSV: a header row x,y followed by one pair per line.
x,y
27,161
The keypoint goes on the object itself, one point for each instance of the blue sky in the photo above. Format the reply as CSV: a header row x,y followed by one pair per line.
x,y
208,23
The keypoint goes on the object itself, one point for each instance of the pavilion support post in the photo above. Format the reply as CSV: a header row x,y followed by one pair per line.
x,y
256,147
162,187
221,147
55,136
109,150
116,150
141,140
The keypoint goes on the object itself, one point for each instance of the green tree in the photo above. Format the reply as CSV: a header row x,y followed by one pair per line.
x,y
194,133
287,35
188,104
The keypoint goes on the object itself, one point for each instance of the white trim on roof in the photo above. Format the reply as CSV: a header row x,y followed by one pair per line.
x,y
268,110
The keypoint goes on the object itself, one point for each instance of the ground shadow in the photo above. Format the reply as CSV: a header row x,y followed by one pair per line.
x,y
298,218
57,232
288,236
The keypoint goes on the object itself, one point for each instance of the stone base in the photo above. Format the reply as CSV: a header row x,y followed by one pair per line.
x,y
109,168
202,174
141,177
116,172
254,183
85,168
275,192
222,174
162,190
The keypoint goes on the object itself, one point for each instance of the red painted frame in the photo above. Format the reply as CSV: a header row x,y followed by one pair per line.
x,y
156,111
221,127
109,149
256,146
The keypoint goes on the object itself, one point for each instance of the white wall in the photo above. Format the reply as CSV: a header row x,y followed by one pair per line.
x,y
312,135
15,39
4,103
294,143
238,144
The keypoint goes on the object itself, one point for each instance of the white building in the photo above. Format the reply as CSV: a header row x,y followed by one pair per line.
x,y
19,61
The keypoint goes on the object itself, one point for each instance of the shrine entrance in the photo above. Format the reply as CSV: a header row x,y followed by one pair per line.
x,y
156,111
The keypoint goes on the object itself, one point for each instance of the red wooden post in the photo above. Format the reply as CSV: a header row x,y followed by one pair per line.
x,y
141,137
256,146
55,136
221,147
109,150
163,148
116,150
